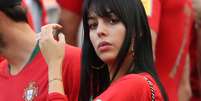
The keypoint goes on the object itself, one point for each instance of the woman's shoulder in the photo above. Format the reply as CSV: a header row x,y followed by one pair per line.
x,y
131,87
145,84
72,49
135,81
72,58
132,79
72,54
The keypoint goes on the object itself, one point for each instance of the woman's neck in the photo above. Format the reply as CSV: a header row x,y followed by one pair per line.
x,y
123,69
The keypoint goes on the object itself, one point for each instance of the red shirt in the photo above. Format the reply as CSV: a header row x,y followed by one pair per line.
x,y
172,21
32,81
1,58
71,5
132,87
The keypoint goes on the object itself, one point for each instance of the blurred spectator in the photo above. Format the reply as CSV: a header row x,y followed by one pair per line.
x,y
36,14
170,22
70,19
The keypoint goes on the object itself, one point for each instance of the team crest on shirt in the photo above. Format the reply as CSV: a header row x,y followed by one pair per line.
x,y
30,92
148,6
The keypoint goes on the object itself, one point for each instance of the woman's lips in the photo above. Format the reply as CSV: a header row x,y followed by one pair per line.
x,y
103,46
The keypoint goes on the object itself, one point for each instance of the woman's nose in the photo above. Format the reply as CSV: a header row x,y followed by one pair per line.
x,y
101,29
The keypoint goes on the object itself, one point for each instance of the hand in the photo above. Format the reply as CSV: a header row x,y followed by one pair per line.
x,y
52,50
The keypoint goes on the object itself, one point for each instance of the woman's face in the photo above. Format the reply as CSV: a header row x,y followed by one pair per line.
x,y
107,35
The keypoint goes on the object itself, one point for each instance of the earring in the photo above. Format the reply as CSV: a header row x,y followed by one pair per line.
x,y
133,52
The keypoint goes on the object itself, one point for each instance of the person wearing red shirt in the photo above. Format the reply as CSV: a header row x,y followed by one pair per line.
x,y
70,19
170,22
34,21
117,58
25,75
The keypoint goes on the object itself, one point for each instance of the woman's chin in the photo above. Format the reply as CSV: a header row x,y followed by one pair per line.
x,y
108,59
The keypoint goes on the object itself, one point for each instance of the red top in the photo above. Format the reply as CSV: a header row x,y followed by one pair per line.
x,y
32,81
172,21
72,5
132,87
1,58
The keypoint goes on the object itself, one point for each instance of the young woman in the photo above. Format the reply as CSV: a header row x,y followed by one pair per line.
x,y
117,59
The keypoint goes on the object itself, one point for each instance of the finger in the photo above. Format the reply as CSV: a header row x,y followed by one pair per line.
x,y
62,38
56,29
56,26
48,30
52,26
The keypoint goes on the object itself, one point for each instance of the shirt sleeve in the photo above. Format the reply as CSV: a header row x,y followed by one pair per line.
x,y
71,5
71,72
153,11
57,97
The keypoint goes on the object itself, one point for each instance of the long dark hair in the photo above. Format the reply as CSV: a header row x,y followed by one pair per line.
x,y
133,16
16,13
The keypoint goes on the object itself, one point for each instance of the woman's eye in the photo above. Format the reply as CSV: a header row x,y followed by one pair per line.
x,y
92,26
113,21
